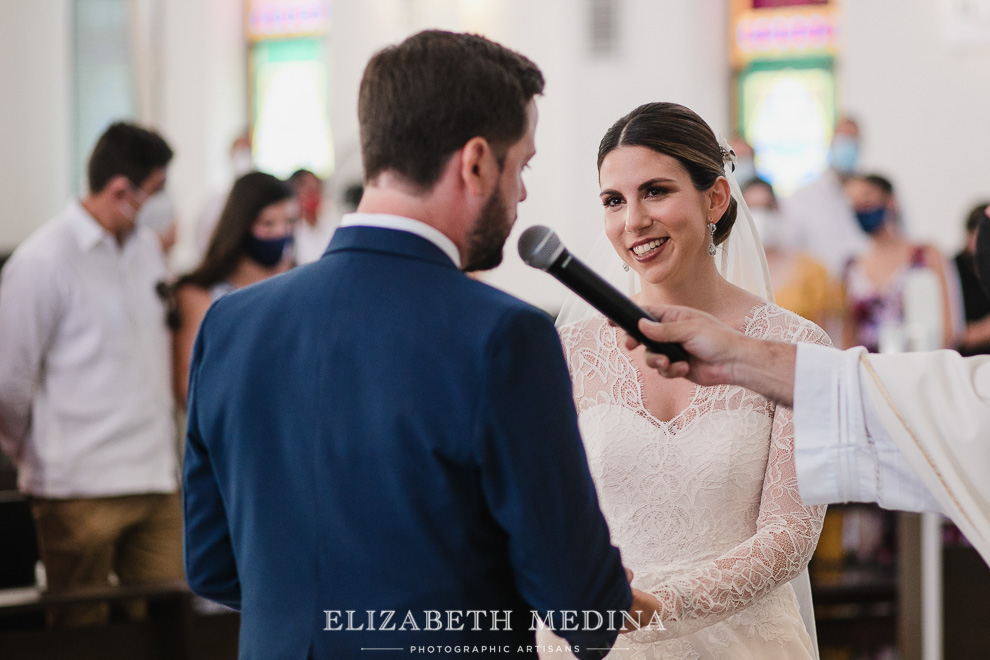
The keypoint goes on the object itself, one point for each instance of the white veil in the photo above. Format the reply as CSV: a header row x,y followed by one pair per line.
x,y
740,259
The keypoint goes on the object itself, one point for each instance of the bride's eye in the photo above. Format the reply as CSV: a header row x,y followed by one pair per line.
x,y
611,201
655,191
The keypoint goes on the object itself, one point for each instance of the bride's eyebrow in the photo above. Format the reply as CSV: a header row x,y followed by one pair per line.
x,y
653,182
643,186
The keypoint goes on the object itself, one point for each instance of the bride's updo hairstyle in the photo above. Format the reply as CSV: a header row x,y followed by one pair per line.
x,y
675,131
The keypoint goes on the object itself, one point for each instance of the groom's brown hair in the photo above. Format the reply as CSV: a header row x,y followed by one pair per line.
x,y
422,100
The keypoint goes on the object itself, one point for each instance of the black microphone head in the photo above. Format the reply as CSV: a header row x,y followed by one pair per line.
x,y
539,247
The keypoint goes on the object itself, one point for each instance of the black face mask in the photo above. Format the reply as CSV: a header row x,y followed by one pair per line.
x,y
983,253
267,252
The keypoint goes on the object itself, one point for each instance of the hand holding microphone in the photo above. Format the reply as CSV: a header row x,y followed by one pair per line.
x,y
540,248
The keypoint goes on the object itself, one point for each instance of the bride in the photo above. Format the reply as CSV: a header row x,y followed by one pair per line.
x,y
697,483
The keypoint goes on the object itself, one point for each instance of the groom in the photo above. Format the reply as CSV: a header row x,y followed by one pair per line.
x,y
382,453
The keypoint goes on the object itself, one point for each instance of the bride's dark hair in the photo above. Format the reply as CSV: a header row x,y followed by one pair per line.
x,y
678,132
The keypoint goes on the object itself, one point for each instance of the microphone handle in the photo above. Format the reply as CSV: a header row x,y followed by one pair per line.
x,y
611,302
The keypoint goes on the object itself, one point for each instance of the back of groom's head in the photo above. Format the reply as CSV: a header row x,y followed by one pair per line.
x,y
423,99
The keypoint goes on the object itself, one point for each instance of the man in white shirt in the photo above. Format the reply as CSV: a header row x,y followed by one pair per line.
x,y
85,404
314,228
819,217
909,431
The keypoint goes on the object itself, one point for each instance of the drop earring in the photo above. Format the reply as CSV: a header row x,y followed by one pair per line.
x,y
625,267
711,239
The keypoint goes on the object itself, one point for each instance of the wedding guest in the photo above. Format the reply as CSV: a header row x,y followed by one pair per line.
x,y
697,483
315,226
158,214
85,406
878,282
801,283
252,242
819,217
976,303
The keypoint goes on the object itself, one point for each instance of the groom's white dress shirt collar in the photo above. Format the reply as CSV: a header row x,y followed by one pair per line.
x,y
400,223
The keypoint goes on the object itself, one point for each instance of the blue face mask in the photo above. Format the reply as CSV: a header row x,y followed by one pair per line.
x,y
268,252
845,154
873,219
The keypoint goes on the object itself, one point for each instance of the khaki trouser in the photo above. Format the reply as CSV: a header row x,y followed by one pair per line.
x,y
83,540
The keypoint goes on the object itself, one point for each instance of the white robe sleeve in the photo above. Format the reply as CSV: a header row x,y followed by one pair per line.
x,y
908,431
843,452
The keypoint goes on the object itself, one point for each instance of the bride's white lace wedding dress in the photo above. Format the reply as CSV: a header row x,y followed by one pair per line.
x,y
704,507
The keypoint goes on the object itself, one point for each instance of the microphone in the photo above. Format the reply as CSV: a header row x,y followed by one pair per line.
x,y
540,248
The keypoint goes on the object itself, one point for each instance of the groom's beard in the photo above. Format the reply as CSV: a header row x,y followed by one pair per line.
x,y
487,237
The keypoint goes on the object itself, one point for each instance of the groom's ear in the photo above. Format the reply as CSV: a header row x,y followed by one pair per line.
x,y
479,167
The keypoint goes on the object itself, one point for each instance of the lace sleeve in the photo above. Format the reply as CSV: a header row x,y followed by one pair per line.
x,y
785,538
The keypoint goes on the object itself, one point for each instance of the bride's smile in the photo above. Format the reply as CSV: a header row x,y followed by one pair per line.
x,y
649,248
655,217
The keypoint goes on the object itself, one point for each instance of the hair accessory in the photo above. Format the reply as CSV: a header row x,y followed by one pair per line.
x,y
711,239
728,154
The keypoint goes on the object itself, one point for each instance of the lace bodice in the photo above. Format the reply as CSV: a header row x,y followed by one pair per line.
x,y
705,507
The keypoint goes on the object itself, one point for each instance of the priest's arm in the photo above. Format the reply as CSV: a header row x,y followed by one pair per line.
x,y
909,431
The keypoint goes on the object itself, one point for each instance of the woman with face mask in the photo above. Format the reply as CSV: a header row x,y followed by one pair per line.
x,y
896,292
252,241
801,283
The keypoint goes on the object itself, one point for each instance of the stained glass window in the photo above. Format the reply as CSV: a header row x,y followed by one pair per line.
x,y
783,56
290,94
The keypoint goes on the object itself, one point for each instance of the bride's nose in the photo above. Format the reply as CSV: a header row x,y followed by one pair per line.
x,y
637,218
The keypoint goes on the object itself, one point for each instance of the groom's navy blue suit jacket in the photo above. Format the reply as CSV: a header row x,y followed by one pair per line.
x,y
377,432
